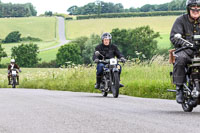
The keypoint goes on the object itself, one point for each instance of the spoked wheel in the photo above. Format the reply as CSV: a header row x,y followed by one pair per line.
x,y
105,94
115,86
186,107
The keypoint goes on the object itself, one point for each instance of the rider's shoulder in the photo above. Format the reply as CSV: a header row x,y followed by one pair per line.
x,y
182,17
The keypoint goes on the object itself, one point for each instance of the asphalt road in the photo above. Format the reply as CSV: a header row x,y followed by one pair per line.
x,y
43,111
61,32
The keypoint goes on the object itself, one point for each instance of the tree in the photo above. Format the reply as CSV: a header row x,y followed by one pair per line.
x,y
26,55
2,52
48,13
90,45
139,42
12,37
72,10
69,53
81,43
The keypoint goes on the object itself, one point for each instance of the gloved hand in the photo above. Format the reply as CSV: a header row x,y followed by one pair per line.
x,y
96,60
20,70
123,59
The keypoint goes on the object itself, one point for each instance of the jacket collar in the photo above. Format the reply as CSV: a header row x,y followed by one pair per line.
x,y
193,21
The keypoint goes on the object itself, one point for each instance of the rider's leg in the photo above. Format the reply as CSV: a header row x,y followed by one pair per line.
x,y
179,74
9,79
17,79
100,67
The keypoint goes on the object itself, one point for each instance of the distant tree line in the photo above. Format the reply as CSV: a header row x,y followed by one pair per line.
x,y
104,7
17,10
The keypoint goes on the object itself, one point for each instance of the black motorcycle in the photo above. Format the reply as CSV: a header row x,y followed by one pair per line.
x,y
13,77
111,78
191,88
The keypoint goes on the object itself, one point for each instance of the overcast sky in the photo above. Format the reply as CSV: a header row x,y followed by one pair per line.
x,y
61,6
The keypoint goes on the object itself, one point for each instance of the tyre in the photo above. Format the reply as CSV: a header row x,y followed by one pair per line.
x,y
14,82
105,94
186,107
115,86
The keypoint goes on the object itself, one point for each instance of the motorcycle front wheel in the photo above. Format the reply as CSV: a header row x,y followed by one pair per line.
x,y
13,82
115,86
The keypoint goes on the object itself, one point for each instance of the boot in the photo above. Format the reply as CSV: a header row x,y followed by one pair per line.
x,y
97,85
9,81
179,94
120,85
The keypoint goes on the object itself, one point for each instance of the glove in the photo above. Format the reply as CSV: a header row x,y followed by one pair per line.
x,y
123,59
20,70
96,60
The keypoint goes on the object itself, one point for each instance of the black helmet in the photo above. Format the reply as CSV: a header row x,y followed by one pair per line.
x,y
192,2
106,36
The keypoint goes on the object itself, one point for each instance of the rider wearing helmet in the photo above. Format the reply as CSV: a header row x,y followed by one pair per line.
x,y
108,50
10,67
187,25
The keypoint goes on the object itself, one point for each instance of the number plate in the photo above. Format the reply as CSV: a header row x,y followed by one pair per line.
x,y
14,73
113,61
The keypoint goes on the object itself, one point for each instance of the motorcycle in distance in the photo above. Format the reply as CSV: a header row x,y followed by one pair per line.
x,y
13,77
110,81
191,89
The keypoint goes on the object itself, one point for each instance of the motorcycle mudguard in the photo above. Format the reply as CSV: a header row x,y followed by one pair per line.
x,y
115,70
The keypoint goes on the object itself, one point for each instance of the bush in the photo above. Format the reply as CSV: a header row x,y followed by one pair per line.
x,y
69,53
135,14
136,43
30,39
51,64
26,55
12,37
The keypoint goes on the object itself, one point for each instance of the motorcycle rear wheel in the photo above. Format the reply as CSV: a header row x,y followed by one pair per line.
x,y
105,94
186,107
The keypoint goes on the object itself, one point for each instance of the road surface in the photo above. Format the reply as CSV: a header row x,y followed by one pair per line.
x,y
43,111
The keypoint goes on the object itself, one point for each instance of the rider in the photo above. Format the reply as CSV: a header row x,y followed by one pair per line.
x,y
10,67
108,50
187,25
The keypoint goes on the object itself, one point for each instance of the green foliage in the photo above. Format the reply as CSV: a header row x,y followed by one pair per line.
x,y
17,10
51,64
2,52
13,37
48,13
90,45
134,14
69,53
150,81
87,46
33,39
136,43
26,55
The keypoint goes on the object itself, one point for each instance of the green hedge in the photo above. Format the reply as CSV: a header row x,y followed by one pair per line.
x,y
135,14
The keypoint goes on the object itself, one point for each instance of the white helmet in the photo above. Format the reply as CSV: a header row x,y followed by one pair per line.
x,y
12,60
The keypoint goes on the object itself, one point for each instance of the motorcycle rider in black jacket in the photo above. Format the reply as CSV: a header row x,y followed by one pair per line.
x,y
187,25
108,50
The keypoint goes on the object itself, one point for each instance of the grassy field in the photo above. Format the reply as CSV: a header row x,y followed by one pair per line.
x,y
150,81
162,24
40,27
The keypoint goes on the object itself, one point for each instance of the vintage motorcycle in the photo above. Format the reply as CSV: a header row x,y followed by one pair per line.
x,y
111,78
13,77
191,88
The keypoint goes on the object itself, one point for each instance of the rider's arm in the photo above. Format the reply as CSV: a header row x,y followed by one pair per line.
x,y
9,69
16,66
178,27
96,49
